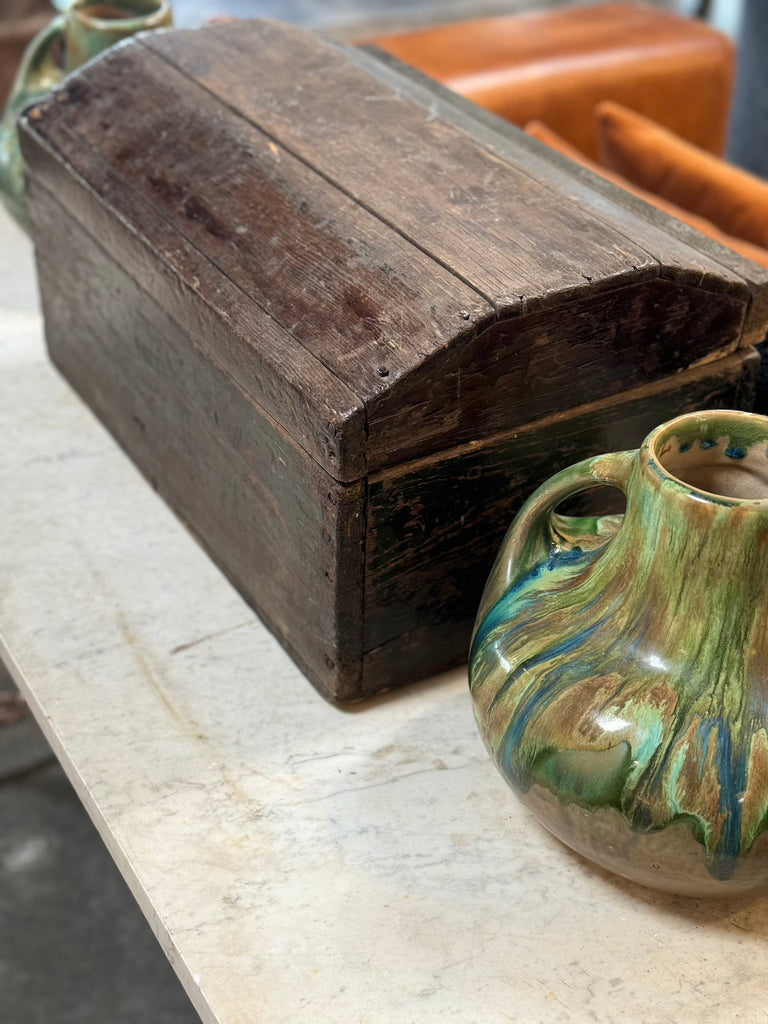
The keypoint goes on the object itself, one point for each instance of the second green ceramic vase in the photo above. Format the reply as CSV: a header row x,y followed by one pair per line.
x,y
619,668
83,30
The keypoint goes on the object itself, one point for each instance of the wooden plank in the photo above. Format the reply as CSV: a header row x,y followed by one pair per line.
x,y
527,368
433,527
285,380
686,255
287,535
365,302
510,236
387,321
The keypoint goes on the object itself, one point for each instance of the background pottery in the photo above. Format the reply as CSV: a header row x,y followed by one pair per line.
x,y
84,30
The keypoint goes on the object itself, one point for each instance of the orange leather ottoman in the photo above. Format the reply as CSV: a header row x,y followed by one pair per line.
x,y
556,66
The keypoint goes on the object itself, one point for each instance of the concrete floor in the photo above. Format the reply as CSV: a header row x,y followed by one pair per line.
x,y
74,947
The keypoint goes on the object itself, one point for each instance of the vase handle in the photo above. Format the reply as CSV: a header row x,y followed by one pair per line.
x,y
40,69
538,529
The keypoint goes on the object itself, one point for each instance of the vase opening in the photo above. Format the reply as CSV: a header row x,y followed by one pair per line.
x,y
122,10
722,455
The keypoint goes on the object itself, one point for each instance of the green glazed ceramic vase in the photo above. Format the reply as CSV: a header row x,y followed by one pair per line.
x,y
83,30
619,667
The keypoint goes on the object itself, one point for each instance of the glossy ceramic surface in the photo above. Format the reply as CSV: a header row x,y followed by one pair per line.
x,y
619,667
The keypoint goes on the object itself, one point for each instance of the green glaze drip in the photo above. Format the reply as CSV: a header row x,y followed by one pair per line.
x,y
635,675
745,433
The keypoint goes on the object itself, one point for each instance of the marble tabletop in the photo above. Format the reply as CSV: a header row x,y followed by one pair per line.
x,y
301,864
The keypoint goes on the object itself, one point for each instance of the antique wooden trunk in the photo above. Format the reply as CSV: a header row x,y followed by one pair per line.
x,y
344,323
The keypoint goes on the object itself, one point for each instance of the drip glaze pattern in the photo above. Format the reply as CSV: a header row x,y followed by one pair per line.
x,y
619,667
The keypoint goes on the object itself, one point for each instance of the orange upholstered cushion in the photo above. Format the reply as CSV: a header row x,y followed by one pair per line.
x,y
655,159
556,65
752,252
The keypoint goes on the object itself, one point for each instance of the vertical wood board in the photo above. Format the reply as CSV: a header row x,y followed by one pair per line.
x,y
286,534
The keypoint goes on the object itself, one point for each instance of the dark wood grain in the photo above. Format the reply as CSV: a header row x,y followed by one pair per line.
x,y
369,306
288,536
512,237
433,527
686,256
366,303
525,368
284,379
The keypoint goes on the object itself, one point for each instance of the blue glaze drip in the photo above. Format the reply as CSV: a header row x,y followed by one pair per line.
x,y
732,772
732,775
686,447
501,612
519,721
565,647
703,734
735,451
708,442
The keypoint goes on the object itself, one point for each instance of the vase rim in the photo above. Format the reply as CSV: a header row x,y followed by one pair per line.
x,y
156,11
746,444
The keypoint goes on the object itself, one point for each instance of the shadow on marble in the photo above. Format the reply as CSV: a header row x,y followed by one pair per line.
x,y
414,690
748,912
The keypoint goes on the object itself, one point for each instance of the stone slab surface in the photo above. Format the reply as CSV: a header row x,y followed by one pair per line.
x,y
301,864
